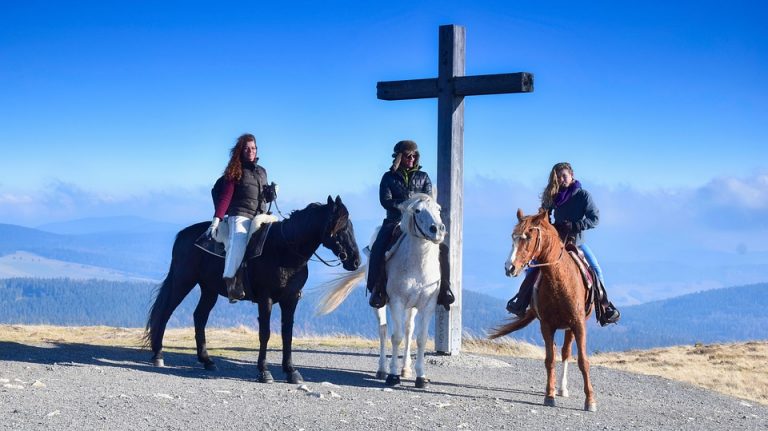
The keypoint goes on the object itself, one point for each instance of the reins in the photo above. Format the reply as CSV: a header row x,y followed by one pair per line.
x,y
291,246
538,249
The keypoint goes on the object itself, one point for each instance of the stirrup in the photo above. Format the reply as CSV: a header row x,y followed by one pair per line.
x,y
613,317
514,308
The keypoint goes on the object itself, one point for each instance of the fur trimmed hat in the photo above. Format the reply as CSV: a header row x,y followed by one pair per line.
x,y
403,147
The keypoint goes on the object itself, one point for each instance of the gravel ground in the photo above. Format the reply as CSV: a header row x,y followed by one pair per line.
x,y
111,388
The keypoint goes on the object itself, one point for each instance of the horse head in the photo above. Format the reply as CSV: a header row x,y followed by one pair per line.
x,y
339,236
421,218
527,241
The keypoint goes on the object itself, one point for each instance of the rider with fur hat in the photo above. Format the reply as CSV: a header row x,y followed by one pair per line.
x,y
398,184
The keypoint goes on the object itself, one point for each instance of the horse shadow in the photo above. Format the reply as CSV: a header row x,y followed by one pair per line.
x,y
184,363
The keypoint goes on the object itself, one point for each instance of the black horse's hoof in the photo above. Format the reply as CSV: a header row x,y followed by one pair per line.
x,y
381,375
160,363
294,377
266,377
422,382
549,401
392,380
210,366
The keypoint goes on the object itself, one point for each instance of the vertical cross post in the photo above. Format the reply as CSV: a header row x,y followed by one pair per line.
x,y
449,88
450,178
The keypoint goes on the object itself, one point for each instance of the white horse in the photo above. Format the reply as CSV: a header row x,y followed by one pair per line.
x,y
413,281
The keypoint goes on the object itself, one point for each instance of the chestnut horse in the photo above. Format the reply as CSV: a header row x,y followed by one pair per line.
x,y
559,299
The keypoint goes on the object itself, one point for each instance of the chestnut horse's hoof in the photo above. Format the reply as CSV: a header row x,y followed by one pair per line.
x,y
210,366
422,382
266,377
549,401
294,377
590,407
381,375
392,380
158,363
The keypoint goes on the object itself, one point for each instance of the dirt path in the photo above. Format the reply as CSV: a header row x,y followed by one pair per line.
x,y
69,386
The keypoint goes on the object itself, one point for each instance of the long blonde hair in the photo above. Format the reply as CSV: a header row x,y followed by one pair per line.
x,y
553,186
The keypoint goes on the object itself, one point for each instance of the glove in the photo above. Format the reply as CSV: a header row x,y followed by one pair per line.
x,y
213,228
270,192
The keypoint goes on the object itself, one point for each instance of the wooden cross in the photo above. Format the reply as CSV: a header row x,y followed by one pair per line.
x,y
450,87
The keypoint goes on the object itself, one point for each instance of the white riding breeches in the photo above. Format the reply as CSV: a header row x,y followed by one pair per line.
x,y
239,227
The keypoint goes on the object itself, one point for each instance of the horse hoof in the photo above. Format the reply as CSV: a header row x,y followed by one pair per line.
x,y
590,407
549,401
294,377
392,380
563,393
210,366
422,382
381,375
158,363
266,377
406,373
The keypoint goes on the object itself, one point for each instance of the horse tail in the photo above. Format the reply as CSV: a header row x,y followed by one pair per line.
x,y
513,325
335,291
162,297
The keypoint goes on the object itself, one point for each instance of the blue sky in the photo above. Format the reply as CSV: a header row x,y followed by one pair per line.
x,y
129,108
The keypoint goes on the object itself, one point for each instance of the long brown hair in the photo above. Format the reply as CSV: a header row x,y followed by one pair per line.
x,y
553,186
234,170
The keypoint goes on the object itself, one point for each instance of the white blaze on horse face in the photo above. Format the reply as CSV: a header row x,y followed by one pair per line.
x,y
508,265
511,266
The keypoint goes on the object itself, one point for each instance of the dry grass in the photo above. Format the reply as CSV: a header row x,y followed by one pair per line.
x,y
736,369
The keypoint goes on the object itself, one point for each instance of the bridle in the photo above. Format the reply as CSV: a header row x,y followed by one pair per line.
x,y
538,250
343,256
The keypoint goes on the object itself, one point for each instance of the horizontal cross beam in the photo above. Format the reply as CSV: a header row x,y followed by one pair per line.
x,y
502,83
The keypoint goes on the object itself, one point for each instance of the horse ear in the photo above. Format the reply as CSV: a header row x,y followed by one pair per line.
x,y
330,200
543,214
519,214
338,200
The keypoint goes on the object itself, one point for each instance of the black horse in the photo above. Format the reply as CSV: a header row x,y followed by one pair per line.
x,y
277,276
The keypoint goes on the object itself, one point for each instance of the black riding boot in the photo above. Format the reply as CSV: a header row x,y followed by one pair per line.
x,y
377,275
235,290
607,313
445,296
520,302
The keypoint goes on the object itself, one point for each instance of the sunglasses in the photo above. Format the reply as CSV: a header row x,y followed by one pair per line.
x,y
410,156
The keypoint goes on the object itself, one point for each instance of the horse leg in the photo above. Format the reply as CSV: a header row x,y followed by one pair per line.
x,y
172,292
287,311
381,317
580,333
265,313
421,346
549,363
410,317
396,313
565,355
208,297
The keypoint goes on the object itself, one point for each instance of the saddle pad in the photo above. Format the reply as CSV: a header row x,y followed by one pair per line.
x,y
217,246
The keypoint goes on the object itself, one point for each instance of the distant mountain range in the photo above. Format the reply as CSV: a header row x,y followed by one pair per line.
x,y
102,271
720,315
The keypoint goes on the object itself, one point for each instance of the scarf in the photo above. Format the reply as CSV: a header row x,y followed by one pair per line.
x,y
563,195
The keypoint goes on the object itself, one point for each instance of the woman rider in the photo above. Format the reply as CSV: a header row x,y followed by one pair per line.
x,y
243,195
574,212
398,184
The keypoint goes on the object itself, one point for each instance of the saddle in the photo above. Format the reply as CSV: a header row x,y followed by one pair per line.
x,y
217,245
587,274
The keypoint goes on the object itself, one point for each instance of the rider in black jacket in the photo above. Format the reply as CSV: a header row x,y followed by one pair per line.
x,y
403,179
